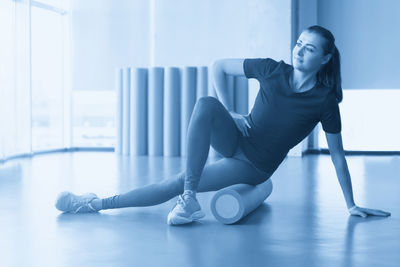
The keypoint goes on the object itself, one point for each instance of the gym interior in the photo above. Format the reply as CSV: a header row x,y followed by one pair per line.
x,y
80,112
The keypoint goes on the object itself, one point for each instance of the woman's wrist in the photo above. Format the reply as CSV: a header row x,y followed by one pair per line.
x,y
234,114
352,207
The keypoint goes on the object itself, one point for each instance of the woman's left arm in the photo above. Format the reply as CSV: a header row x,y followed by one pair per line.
x,y
335,145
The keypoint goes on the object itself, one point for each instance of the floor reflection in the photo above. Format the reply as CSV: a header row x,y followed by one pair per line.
x,y
304,222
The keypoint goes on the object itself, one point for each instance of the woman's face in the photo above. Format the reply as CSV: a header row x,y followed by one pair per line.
x,y
308,54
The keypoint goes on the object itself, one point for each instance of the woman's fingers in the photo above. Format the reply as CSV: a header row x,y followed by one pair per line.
x,y
245,130
247,123
242,129
364,212
242,124
359,213
376,212
385,213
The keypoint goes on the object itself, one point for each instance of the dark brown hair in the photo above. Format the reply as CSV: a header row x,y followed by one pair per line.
x,y
329,75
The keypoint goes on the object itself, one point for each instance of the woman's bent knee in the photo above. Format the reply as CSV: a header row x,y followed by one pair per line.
x,y
208,100
263,178
207,104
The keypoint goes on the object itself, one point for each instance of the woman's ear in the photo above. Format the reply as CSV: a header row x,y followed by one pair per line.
x,y
326,59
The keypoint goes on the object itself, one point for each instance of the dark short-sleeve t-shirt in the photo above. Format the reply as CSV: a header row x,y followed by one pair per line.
x,y
281,118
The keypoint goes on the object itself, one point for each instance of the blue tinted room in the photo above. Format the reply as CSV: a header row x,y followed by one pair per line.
x,y
199,133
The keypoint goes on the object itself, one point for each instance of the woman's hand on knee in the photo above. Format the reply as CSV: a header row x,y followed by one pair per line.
x,y
241,123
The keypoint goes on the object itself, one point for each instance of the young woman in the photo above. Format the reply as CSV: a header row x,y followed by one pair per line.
x,y
292,99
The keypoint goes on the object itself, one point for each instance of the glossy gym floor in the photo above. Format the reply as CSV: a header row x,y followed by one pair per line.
x,y
304,222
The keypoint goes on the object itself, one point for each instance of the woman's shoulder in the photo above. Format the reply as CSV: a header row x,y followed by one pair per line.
x,y
329,97
278,67
279,70
267,61
264,67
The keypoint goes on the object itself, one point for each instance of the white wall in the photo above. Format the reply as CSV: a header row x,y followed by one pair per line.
x,y
198,32
367,34
111,33
107,34
307,15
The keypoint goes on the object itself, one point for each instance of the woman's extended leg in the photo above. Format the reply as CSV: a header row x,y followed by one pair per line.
x,y
210,123
217,175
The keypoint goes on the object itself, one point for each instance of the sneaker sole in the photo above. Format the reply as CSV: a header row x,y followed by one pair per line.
x,y
177,220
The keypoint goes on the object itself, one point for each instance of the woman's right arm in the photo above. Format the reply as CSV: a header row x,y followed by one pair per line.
x,y
221,68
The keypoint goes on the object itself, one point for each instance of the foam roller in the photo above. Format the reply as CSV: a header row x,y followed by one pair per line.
x,y
155,111
232,203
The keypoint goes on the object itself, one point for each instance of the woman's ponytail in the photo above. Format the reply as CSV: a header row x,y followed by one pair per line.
x,y
329,75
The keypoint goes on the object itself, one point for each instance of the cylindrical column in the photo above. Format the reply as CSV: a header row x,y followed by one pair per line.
x,y
188,101
202,82
230,82
232,203
138,139
118,117
241,92
211,89
126,110
172,94
155,111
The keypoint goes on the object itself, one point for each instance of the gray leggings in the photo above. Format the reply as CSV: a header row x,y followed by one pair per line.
x,y
210,124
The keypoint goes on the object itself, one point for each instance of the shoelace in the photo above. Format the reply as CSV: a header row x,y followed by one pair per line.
x,y
82,205
181,201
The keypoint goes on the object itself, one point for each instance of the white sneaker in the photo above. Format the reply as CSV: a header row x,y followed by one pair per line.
x,y
186,210
68,202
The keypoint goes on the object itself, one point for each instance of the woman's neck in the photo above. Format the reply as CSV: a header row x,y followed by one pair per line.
x,y
302,81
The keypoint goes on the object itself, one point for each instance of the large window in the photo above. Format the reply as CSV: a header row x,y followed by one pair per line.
x,y
34,107
93,118
370,120
39,110
47,48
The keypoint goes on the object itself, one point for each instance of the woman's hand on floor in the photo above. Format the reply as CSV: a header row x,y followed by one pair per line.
x,y
364,212
241,123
